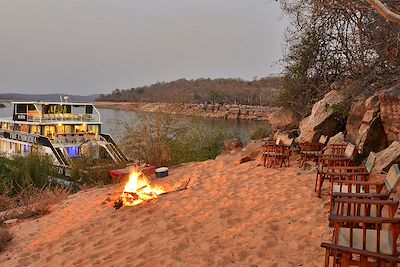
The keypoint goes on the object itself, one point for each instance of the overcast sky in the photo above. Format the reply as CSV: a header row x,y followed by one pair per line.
x,y
95,46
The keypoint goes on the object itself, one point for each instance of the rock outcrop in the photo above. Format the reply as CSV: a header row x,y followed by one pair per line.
x,y
374,122
371,135
322,121
390,112
232,144
283,119
387,157
251,152
355,118
337,139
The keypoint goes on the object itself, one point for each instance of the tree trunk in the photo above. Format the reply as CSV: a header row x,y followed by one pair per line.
x,y
384,11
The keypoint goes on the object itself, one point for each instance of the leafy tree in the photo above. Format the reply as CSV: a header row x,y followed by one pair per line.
x,y
334,40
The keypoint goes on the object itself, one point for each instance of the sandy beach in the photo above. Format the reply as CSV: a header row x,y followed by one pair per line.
x,y
231,215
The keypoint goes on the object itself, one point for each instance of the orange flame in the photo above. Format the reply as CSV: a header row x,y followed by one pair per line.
x,y
138,189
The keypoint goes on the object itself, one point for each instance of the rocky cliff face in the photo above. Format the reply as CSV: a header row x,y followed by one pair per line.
x,y
374,122
390,112
372,125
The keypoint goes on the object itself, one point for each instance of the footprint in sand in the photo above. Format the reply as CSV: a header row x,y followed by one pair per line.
x,y
24,261
118,230
78,262
68,248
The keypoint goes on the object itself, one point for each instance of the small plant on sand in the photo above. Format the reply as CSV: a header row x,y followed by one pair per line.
x,y
5,238
33,202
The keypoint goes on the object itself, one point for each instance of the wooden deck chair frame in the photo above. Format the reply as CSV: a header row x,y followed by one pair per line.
x,y
328,161
363,241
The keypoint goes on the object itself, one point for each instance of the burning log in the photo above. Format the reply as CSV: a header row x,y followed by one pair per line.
x,y
135,198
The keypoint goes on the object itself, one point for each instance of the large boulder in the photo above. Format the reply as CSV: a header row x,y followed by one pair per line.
x,y
374,122
250,152
387,157
337,139
283,119
355,118
390,112
371,134
232,144
322,121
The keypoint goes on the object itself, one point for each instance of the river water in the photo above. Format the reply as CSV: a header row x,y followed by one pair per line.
x,y
110,117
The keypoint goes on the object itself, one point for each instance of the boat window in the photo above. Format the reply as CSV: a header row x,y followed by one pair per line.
x,y
56,109
89,109
93,129
35,129
78,109
21,108
81,128
31,107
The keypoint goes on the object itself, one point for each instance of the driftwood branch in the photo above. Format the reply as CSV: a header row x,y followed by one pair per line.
x,y
384,11
179,189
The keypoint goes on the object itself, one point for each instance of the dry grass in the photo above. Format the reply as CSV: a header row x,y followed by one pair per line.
x,y
5,237
33,203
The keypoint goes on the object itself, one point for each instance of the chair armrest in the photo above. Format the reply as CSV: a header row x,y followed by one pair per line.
x,y
358,182
344,173
347,168
363,219
360,195
367,253
366,201
332,156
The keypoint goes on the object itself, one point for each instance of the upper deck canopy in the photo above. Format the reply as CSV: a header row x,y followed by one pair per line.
x,y
55,112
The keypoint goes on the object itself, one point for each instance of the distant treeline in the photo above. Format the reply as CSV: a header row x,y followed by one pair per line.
x,y
47,97
263,91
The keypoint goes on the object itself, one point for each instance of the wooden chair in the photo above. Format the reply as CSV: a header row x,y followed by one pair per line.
x,y
337,172
362,189
312,151
364,240
338,175
276,154
327,162
269,150
338,148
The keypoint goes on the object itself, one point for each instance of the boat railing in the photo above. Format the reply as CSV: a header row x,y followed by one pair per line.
x,y
64,117
73,138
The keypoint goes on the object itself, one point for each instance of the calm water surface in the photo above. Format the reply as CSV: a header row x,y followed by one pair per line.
x,y
109,117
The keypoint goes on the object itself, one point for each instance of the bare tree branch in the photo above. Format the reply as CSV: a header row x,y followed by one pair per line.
x,y
384,11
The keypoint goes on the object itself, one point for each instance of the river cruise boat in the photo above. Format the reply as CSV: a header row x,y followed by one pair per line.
x,y
65,131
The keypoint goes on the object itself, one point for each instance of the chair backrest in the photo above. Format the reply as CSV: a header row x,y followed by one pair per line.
x,y
392,178
323,139
370,163
349,151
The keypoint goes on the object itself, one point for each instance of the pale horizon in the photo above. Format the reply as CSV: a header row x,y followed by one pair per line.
x,y
85,47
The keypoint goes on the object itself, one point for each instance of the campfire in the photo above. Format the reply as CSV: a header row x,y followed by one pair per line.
x,y
137,190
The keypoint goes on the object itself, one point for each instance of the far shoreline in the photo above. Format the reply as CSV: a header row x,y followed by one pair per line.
x,y
278,117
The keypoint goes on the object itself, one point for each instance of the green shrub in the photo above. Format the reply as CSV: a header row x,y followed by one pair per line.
x,y
23,172
260,132
160,139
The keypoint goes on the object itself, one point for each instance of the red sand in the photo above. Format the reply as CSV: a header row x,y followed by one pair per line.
x,y
231,215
